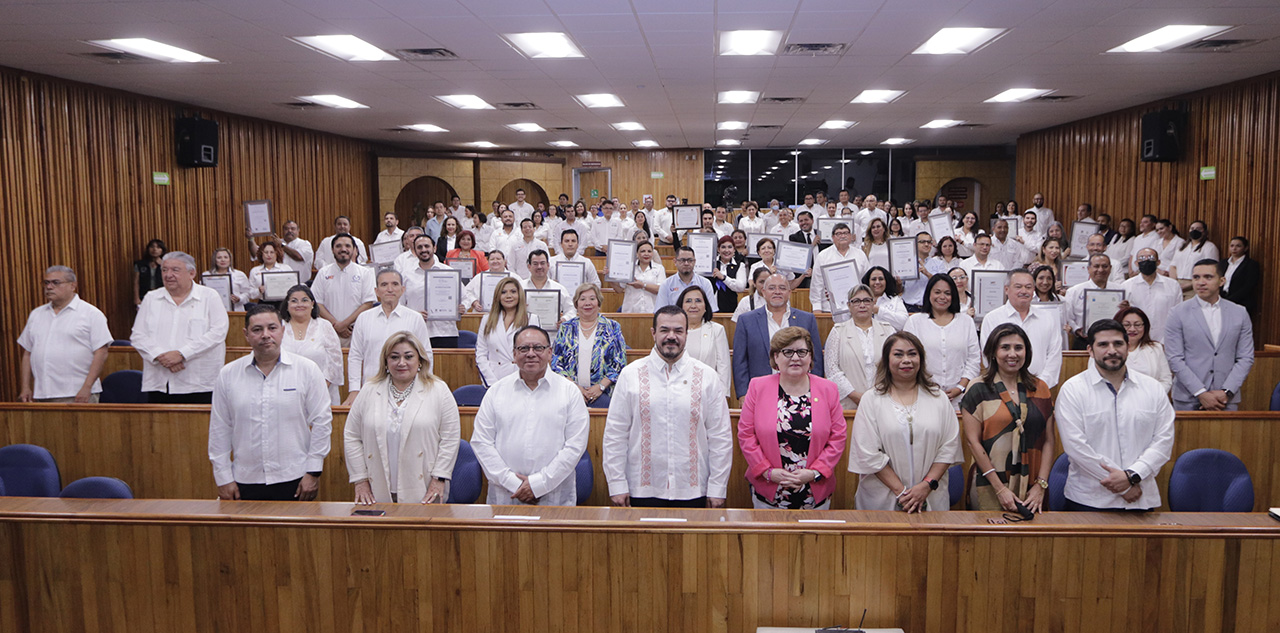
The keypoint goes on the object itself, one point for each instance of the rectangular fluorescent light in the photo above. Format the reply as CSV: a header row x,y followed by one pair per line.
x,y
731,125
837,124
895,141
941,123
425,127
1168,37
562,144
814,141
601,100
728,141
466,102
333,101
739,96
628,126
1014,95
482,144
527,127
749,42
958,41
645,143
878,96
348,47
544,45
153,49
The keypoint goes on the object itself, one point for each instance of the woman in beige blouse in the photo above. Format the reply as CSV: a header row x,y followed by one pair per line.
x,y
853,348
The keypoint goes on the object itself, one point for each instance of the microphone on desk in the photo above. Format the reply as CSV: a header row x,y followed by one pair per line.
x,y
841,629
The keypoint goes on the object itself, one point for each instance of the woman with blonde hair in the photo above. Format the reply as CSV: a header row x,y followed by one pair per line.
x,y
241,291
269,253
403,431
589,348
494,353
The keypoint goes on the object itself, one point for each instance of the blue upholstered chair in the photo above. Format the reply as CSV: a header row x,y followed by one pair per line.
x,y
2,494
955,483
1056,499
469,395
97,488
600,403
122,342
1275,398
464,486
29,471
124,386
1210,480
586,478
466,339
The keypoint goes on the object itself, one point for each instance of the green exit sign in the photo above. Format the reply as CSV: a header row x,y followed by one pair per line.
x,y
160,178
1208,173
595,193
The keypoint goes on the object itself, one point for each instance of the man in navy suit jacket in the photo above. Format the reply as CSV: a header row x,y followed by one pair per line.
x,y
751,338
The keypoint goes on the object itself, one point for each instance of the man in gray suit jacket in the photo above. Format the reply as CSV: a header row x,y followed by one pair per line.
x,y
1209,342
751,338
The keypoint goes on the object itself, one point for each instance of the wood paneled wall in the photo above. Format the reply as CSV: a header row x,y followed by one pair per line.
x,y
75,168
633,169
1235,128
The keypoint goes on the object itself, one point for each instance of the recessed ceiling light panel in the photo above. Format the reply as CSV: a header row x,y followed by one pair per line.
x,y
425,127
731,125
895,141
544,45
958,41
837,125
941,123
645,143
562,144
600,100
728,142
749,42
814,141
466,102
527,127
348,47
878,96
153,50
1014,95
739,96
628,126
482,144
333,101
1168,37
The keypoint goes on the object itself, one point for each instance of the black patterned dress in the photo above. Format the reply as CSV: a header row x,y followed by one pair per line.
x,y
795,417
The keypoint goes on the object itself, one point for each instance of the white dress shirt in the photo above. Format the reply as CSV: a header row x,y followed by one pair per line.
x,y
242,289
567,311
660,223
62,345
501,240
668,434
590,275
197,329
277,425
370,333
308,256
405,261
952,352
1168,252
320,345
1010,252
1044,216
1185,259
1232,264
1140,241
1073,303
324,254
342,290
1128,429
784,230
520,249
521,210
471,291
709,344
637,300
970,264
254,279
540,433
495,350
414,298
892,311
747,304
757,225
1155,299
579,226
602,230
1043,327
1213,317
850,357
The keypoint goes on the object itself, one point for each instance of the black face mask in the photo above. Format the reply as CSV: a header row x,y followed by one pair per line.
x,y
1196,236
1147,267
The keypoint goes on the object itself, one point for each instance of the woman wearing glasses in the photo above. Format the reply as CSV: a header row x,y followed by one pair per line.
x,y
792,430
853,348
309,336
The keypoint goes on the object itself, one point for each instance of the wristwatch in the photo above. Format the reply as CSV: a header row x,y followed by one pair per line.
x,y
1044,485
1230,395
1134,478
933,483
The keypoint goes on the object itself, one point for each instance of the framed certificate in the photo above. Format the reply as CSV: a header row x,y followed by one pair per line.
x,y
688,216
385,252
1015,225
826,225
941,225
1100,304
753,240
904,260
620,262
1081,231
464,265
443,293
545,304
1074,272
220,283
793,256
276,284
489,284
571,274
257,216
840,279
988,290
704,252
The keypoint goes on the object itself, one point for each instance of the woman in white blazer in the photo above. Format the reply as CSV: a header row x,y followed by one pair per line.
x,y
706,340
402,433
853,348
498,327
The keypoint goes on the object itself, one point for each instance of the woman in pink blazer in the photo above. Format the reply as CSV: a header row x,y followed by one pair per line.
x,y
792,429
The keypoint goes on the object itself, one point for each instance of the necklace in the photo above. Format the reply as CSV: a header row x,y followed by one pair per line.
x,y
398,395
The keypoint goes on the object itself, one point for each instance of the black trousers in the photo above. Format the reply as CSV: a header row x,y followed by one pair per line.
x,y
160,397
444,342
283,491
654,502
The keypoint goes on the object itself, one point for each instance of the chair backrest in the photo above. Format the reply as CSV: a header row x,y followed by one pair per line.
x,y
2,488
122,342
1210,480
1058,484
1275,398
586,478
466,339
29,471
600,403
97,488
124,386
955,483
469,395
464,486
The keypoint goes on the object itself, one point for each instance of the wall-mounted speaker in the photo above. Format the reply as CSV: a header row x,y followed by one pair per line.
x,y
1162,136
197,142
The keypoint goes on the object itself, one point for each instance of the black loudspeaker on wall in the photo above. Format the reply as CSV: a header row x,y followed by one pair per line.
x,y
197,141
1162,133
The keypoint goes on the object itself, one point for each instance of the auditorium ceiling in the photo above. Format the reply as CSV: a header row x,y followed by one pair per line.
x,y
661,58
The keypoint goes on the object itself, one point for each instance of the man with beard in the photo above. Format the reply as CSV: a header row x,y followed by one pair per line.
x,y
343,289
1116,427
661,404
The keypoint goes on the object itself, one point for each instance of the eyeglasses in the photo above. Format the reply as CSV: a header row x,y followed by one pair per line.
x,y
865,301
684,260
793,353
54,283
525,349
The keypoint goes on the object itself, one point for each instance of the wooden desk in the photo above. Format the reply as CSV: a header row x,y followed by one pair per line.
x,y
76,565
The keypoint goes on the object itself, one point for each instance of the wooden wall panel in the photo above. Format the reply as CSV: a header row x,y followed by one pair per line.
x,y
632,170
1235,128
75,168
